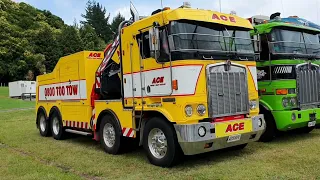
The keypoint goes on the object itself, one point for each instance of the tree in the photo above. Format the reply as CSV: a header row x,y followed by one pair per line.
x,y
46,43
70,40
95,16
91,41
116,22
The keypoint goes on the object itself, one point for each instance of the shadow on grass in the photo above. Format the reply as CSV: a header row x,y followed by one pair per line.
x,y
294,136
134,152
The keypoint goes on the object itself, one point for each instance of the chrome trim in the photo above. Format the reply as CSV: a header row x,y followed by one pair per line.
x,y
308,87
191,143
209,94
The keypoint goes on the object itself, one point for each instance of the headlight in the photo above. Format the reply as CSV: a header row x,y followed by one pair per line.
x,y
201,109
293,101
285,102
253,104
202,131
188,110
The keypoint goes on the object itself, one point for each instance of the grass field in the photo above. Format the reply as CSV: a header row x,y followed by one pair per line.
x,y
26,155
7,103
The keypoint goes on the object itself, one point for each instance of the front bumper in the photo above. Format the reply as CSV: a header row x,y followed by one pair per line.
x,y
192,143
284,118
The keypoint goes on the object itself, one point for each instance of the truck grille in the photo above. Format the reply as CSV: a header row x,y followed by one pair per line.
x,y
228,91
308,85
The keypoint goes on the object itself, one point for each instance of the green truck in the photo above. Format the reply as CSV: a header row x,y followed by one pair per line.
x,y
288,75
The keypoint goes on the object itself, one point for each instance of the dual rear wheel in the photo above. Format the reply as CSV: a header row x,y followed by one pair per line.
x,y
52,126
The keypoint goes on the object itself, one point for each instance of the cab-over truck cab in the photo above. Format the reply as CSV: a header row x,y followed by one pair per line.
x,y
288,78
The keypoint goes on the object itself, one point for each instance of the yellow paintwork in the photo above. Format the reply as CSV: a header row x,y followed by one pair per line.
x,y
174,112
78,66
125,116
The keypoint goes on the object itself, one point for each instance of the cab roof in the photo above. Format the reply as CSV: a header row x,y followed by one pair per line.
x,y
164,17
268,27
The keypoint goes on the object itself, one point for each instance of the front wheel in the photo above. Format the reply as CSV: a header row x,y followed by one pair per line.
x,y
271,128
110,135
160,143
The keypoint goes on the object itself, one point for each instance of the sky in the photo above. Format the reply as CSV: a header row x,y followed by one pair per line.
x,y
71,10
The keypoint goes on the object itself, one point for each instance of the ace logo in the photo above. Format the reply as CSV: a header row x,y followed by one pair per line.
x,y
158,81
235,127
223,18
94,55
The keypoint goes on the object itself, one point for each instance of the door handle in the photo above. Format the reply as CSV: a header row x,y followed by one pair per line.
x,y
148,89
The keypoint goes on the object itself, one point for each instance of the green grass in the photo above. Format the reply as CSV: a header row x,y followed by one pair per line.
x,y
8,103
24,154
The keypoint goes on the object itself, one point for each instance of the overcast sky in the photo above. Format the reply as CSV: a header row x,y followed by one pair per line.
x,y
69,10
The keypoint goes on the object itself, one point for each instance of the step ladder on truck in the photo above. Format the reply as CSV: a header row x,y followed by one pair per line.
x,y
178,83
288,74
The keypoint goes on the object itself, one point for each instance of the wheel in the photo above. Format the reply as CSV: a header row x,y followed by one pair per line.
x,y
110,135
160,142
57,129
271,128
43,125
238,147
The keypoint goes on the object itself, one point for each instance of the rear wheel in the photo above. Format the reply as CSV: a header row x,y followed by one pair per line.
x,y
160,143
57,129
110,135
43,124
271,128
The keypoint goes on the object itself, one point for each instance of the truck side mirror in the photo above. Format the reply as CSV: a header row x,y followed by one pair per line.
x,y
154,42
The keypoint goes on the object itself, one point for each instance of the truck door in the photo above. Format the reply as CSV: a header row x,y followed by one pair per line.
x,y
157,75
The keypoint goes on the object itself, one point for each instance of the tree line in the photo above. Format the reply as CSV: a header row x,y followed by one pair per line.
x,y
33,40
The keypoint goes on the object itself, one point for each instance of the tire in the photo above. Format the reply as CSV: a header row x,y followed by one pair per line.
x,y
43,125
271,128
57,128
161,129
110,135
238,147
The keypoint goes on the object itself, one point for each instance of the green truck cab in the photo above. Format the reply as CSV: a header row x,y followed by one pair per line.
x,y
288,75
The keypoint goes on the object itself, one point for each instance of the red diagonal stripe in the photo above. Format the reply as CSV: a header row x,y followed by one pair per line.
x,y
129,132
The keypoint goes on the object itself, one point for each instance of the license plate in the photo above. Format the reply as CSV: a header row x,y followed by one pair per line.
x,y
312,124
230,128
234,138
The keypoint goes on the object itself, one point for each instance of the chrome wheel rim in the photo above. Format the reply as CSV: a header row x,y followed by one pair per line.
x,y
109,135
157,143
43,123
55,125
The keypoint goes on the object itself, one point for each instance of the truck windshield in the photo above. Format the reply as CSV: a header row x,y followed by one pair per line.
x,y
295,43
198,40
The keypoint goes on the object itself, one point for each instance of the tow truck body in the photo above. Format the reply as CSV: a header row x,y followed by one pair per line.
x,y
174,81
